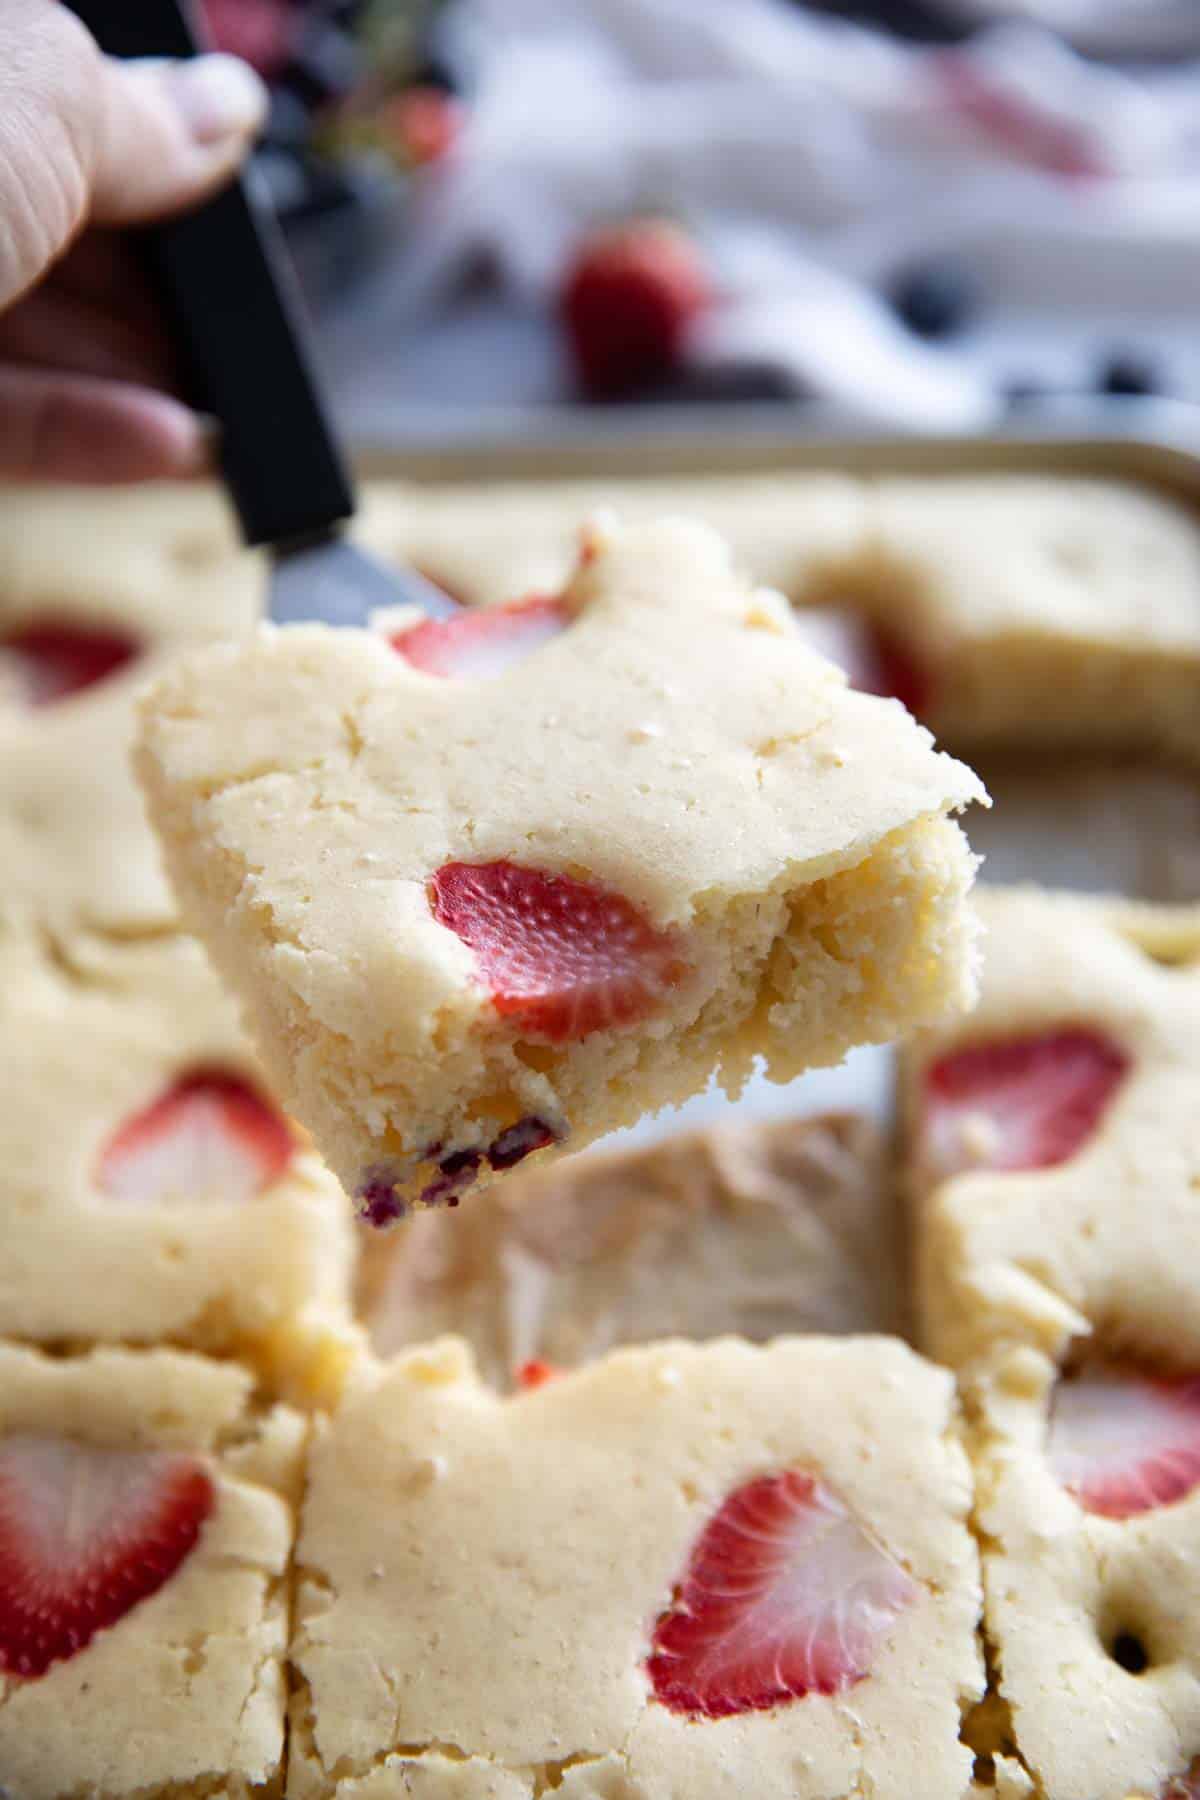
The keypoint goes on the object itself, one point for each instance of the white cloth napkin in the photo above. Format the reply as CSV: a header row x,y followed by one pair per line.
x,y
813,159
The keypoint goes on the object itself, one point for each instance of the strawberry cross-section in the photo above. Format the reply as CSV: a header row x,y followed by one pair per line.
x,y
86,1534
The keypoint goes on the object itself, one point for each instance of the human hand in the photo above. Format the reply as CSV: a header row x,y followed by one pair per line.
x,y
88,145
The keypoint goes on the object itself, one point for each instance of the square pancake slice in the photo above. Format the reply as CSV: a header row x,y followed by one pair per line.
x,y
500,884
147,1511
97,593
1054,1154
152,1189
684,1570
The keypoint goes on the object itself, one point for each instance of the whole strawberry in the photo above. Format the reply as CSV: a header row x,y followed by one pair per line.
x,y
626,304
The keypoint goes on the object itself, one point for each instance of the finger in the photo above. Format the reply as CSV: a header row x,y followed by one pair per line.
x,y
83,137
73,428
50,328
171,132
102,267
103,271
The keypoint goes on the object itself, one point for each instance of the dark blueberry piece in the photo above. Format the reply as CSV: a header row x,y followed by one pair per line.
x,y
378,1203
1128,372
460,1162
935,299
519,1141
457,1172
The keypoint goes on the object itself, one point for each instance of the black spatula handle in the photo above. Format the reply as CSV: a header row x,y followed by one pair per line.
x,y
230,297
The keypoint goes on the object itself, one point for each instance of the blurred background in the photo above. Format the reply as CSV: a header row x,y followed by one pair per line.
x,y
527,217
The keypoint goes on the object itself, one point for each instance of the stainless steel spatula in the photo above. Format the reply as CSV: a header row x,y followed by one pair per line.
x,y
230,297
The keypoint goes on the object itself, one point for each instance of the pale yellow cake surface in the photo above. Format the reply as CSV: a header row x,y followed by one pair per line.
x,y
1025,1277
86,1045
1043,608
1088,558
676,745
1046,611
1113,1232
502,540
162,564
1062,1585
189,1686
751,1231
479,1576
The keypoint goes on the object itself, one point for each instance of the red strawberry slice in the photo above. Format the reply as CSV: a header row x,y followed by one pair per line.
x,y
563,958
1123,1442
785,1595
535,1373
1019,1103
874,661
893,671
85,1534
53,658
211,1136
482,644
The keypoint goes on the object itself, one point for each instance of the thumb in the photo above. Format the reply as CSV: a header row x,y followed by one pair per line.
x,y
86,139
171,132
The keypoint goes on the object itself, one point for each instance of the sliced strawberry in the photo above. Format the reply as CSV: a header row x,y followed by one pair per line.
x,y
211,1136
85,1534
1123,1442
785,1595
895,672
483,643
1019,1103
54,658
535,1373
874,661
563,958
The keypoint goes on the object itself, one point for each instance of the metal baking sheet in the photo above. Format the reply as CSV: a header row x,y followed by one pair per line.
x,y
1099,825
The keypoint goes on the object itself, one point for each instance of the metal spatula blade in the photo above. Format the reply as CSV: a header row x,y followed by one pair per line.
x,y
230,294
333,582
